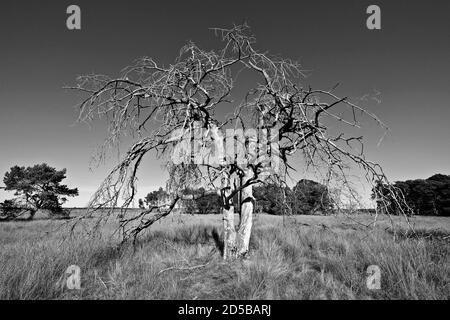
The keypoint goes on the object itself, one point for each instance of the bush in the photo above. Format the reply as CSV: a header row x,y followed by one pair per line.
x,y
307,197
310,197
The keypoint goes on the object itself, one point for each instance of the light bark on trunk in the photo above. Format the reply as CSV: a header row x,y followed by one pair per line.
x,y
229,241
246,221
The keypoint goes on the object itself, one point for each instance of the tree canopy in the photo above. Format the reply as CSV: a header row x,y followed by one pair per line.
x,y
424,196
36,187
152,198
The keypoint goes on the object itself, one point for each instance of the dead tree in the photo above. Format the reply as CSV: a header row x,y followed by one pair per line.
x,y
171,110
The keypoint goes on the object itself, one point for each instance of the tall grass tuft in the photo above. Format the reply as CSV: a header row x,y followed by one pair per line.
x,y
184,262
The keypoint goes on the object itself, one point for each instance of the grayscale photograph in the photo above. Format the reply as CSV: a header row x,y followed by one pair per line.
x,y
226,158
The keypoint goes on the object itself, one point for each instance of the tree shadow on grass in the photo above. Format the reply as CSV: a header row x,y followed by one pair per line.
x,y
102,256
188,235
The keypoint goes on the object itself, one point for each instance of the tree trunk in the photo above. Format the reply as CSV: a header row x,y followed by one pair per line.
x,y
229,240
246,221
229,234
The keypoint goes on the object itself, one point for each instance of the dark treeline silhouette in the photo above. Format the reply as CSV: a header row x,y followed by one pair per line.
x,y
306,197
194,201
425,196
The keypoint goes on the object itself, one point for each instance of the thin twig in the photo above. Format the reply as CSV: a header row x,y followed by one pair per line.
x,y
183,268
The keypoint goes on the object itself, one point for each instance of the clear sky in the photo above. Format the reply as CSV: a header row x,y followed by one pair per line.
x,y
407,61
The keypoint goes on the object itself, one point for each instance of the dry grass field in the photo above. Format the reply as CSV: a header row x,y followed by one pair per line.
x,y
302,257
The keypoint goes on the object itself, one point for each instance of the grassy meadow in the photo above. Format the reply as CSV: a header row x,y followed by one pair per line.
x,y
302,257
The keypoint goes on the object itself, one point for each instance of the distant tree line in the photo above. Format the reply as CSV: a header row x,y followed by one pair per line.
x,y
424,196
195,201
306,197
